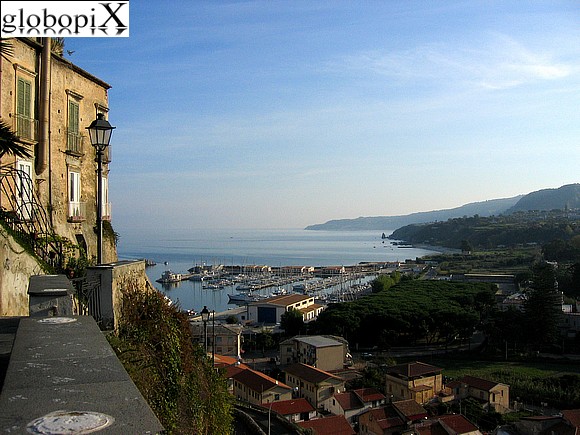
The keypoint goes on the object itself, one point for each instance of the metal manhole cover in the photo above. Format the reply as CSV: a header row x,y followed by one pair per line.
x,y
70,422
57,320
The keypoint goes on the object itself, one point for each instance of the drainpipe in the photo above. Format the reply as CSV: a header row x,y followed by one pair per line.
x,y
43,139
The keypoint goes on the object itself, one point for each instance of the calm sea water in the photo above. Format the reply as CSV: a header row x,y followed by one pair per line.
x,y
180,251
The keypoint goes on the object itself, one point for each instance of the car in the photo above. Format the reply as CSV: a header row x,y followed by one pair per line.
x,y
367,355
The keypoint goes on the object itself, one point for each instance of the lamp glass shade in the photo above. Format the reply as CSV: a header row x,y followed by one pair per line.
x,y
204,314
100,132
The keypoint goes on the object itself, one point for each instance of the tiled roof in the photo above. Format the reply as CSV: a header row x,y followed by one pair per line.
x,y
258,381
430,428
573,416
309,373
386,417
229,364
410,409
283,300
334,425
458,423
369,394
480,384
288,407
348,400
310,308
414,369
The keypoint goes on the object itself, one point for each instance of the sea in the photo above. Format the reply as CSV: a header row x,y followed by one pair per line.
x,y
178,251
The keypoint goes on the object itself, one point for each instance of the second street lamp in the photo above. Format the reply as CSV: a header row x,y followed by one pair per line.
x,y
100,134
204,318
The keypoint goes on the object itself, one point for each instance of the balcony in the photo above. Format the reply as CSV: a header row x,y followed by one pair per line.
x,y
26,128
77,211
74,143
107,211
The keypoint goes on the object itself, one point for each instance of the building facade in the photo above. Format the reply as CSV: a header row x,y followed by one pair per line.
x,y
48,102
324,352
418,381
312,384
270,310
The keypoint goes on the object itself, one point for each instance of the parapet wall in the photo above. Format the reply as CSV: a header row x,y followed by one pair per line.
x,y
16,268
114,279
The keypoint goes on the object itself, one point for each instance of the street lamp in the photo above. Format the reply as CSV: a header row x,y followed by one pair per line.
x,y
204,318
100,134
213,337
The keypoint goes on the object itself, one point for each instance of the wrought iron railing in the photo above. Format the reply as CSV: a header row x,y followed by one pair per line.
x,y
88,296
22,211
74,142
26,128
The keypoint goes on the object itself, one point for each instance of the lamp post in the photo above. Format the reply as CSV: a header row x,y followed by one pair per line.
x,y
213,338
100,134
204,318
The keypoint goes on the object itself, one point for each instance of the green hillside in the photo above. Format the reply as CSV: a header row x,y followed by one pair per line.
x,y
518,229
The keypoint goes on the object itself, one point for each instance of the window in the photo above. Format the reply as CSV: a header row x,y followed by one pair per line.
x,y
24,191
74,139
24,121
75,207
106,205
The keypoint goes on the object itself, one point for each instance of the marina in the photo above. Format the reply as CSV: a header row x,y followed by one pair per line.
x,y
238,289
205,267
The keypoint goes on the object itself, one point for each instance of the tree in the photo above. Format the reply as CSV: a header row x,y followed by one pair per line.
x,y
543,307
292,322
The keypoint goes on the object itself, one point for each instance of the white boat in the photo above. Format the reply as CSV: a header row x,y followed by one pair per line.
x,y
244,287
300,288
168,277
243,298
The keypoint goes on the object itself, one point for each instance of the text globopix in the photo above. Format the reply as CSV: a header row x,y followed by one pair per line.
x,y
63,18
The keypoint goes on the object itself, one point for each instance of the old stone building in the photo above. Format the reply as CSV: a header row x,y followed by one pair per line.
x,y
48,102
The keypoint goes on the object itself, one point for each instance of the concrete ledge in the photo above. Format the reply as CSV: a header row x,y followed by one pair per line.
x,y
66,364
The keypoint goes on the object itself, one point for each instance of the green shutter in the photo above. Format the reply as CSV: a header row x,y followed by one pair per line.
x,y
73,117
24,94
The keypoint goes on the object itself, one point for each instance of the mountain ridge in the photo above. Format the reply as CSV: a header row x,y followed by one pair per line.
x,y
565,196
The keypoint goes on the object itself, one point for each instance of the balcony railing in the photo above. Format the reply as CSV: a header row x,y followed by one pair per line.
x,y
107,211
26,128
74,142
77,211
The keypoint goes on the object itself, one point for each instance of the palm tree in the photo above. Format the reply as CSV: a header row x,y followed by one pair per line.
x,y
8,140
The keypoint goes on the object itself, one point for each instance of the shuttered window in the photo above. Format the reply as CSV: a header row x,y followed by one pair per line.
x,y
23,109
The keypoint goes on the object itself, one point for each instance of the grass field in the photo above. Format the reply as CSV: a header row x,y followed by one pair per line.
x,y
533,382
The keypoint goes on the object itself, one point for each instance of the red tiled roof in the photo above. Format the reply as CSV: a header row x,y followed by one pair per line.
x,y
430,428
369,394
386,417
309,373
573,416
410,409
334,425
348,400
414,369
230,364
288,407
310,308
480,384
258,381
458,423
283,300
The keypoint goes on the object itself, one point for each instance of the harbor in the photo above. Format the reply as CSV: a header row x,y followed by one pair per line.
x,y
225,288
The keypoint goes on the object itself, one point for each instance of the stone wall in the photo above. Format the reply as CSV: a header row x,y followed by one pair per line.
x,y
17,266
114,279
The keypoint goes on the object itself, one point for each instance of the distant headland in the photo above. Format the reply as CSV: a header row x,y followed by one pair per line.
x,y
567,196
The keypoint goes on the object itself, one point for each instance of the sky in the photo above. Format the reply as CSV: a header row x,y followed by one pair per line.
x,y
283,114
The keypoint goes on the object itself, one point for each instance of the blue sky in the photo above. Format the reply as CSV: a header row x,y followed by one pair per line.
x,y
282,114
